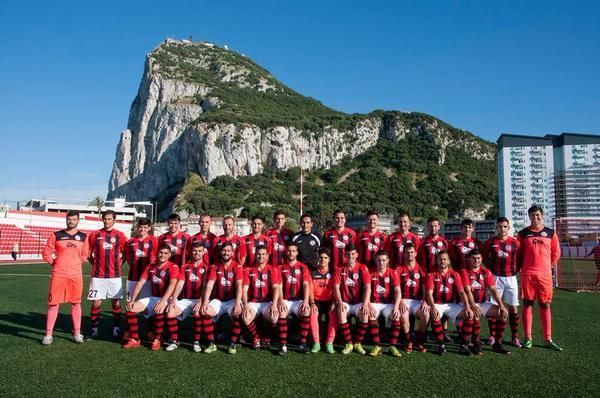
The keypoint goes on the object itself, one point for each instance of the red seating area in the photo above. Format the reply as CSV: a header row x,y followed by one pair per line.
x,y
29,242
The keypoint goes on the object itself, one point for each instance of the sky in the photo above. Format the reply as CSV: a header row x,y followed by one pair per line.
x,y
70,70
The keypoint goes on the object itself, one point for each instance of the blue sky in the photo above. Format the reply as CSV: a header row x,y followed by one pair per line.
x,y
69,70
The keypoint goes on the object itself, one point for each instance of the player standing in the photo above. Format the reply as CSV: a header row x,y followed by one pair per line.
x,y
445,295
66,251
294,298
308,243
176,239
596,253
222,295
107,247
500,256
396,242
477,280
280,236
186,300
163,277
336,238
256,238
538,254
460,247
370,241
237,243
352,295
140,251
204,236
431,245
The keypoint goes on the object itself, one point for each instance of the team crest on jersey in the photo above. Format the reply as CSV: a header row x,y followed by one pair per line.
x,y
440,244
178,241
339,244
355,276
146,245
259,283
544,234
230,274
193,278
508,248
113,239
350,282
345,237
377,240
471,245
328,276
162,273
107,245
380,289
140,253
450,280
77,237
386,280
417,276
297,272
201,270
312,243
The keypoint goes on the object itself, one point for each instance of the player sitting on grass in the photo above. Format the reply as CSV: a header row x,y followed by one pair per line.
x,y
352,293
445,295
261,289
163,278
186,300
412,279
295,297
386,298
223,295
477,280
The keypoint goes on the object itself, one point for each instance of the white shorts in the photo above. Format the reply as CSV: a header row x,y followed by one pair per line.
x,y
383,309
149,302
261,308
413,305
222,307
451,310
145,292
293,306
105,288
353,308
186,306
508,289
485,307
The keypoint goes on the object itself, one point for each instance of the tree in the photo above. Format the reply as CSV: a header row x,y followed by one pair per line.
x,y
98,203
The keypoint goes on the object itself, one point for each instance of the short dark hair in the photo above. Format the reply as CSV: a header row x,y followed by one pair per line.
x,y
261,247
174,217
350,247
306,215
432,219
324,250
403,213
535,208
143,221
474,252
382,253
226,243
502,219
372,213
164,247
257,217
109,212
466,221
73,213
279,212
198,244
291,244
338,211
409,245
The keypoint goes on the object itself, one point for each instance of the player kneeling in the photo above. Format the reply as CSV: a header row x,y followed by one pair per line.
x,y
163,278
445,295
352,293
187,300
223,295
386,300
260,290
476,280
294,300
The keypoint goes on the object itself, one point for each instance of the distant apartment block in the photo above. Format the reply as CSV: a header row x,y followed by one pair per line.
x,y
561,173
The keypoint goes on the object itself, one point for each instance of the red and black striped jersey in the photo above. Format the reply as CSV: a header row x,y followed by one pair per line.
x,y
538,251
411,281
429,249
160,276
336,242
208,241
394,245
107,253
225,278
368,245
500,256
478,281
322,285
352,282
238,245
446,287
383,285
279,241
193,276
260,283
292,280
178,244
139,253
459,251
251,243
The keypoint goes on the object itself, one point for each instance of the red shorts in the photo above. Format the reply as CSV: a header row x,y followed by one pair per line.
x,y
539,286
65,290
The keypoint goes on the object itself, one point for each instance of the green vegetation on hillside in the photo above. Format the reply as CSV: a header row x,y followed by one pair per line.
x,y
388,177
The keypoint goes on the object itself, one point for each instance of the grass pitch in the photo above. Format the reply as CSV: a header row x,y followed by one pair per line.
x,y
101,368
